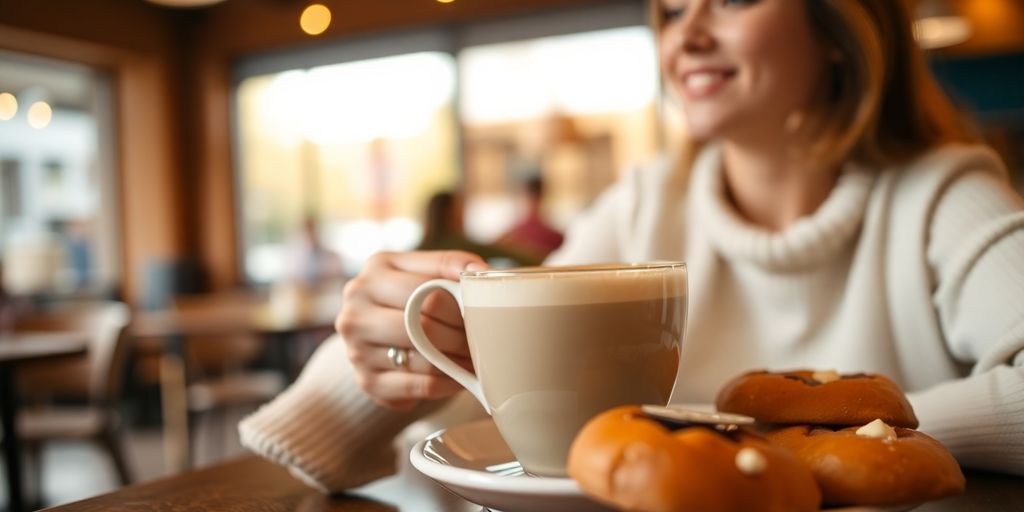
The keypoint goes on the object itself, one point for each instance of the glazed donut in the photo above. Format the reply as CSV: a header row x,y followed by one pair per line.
x,y
903,467
626,459
803,397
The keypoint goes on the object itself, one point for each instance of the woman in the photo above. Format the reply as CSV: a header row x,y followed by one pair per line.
x,y
829,209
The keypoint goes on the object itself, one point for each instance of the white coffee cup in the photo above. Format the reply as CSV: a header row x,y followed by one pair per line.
x,y
554,346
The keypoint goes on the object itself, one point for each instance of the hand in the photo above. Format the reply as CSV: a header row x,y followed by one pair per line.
x,y
372,320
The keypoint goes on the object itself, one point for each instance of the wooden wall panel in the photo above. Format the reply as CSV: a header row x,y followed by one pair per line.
x,y
124,24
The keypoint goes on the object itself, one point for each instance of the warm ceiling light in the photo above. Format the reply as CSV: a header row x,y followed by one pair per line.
x,y
315,19
39,115
940,32
8,106
938,26
445,1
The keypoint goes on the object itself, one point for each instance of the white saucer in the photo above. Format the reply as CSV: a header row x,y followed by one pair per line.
x,y
473,461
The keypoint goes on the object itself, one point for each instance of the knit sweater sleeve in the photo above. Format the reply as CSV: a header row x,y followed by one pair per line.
x,y
976,253
325,429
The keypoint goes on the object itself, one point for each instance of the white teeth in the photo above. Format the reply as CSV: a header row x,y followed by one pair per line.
x,y
703,81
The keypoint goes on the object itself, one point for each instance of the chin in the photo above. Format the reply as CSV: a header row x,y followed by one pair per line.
x,y
704,129
714,123
706,117
700,133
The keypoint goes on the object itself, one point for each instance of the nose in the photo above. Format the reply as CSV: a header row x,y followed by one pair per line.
x,y
693,31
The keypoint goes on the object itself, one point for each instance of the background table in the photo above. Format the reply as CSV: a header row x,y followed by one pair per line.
x,y
253,484
234,313
224,314
16,349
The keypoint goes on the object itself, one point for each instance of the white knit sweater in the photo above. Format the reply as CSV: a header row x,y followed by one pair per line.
x,y
914,272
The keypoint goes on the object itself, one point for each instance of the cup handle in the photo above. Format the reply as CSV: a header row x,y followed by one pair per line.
x,y
425,347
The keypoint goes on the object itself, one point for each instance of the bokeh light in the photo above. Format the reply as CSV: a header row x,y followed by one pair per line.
x,y
39,115
8,106
315,19
942,31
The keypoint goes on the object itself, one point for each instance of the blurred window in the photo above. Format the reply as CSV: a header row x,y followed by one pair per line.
x,y
357,135
357,148
57,195
575,109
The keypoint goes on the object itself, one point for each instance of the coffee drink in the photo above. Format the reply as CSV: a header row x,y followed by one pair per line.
x,y
553,347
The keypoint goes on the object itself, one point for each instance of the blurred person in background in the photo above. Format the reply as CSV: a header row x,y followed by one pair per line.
x,y
833,211
443,229
309,261
80,251
76,238
532,235
311,269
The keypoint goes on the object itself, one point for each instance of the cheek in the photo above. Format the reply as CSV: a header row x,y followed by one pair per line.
x,y
792,76
666,54
667,58
753,50
782,70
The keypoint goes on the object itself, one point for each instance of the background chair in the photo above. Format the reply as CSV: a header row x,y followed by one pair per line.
x,y
88,388
220,366
222,378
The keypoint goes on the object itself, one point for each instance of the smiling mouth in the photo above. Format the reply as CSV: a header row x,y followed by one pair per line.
x,y
700,84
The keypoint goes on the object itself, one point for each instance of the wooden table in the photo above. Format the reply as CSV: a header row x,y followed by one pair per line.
x,y
238,313
16,349
250,483
223,314
253,484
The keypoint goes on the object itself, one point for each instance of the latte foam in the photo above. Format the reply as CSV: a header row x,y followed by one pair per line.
x,y
572,285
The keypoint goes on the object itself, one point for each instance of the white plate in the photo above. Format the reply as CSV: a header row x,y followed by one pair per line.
x,y
473,461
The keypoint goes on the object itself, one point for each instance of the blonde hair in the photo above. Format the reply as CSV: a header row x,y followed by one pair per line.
x,y
880,104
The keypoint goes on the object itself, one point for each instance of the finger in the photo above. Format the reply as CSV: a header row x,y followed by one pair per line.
x,y
382,327
375,358
395,386
444,264
392,289
363,295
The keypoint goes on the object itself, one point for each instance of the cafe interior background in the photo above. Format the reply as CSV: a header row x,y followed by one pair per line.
x,y
166,154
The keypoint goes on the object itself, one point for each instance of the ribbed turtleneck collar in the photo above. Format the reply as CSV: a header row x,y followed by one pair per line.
x,y
810,241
